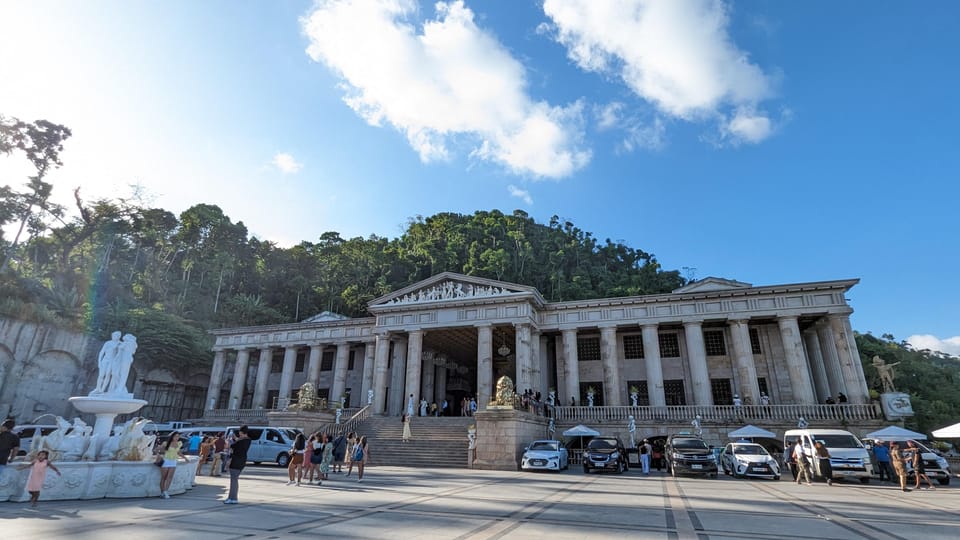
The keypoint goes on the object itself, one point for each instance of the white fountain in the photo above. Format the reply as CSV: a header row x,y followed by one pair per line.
x,y
103,462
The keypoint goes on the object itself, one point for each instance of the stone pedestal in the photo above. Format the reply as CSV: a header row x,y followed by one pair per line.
x,y
106,408
896,405
502,433
307,421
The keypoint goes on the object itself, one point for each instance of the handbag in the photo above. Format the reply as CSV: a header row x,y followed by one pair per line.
x,y
159,461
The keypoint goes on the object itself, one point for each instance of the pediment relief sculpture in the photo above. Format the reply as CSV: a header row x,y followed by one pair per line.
x,y
451,290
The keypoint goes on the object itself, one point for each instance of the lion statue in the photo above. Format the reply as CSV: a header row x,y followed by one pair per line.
x,y
504,394
307,398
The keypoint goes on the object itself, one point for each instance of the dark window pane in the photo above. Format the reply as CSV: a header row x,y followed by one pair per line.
x,y
633,347
713,340
669,345
588,349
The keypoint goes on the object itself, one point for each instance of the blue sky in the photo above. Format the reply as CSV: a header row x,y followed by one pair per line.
x,y
765,141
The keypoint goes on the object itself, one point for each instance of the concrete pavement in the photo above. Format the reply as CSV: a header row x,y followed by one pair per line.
x,y
394,502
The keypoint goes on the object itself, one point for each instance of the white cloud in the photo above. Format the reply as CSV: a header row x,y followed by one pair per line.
x,y
949,346
608,116
286,163
446,82
677,55
649,136
521,194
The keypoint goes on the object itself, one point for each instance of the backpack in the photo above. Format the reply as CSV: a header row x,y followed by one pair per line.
x,y
358,454
643,449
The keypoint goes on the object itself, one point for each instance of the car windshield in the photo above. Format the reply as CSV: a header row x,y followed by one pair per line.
x,y
689,444
838,441
290,433
750,450
544,446
603,444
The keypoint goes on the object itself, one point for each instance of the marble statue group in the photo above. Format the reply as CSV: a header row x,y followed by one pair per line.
x,y
113,362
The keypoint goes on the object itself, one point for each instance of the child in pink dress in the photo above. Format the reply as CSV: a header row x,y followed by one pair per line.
x,y
38,473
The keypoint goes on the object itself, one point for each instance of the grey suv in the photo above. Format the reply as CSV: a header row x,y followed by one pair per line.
x,y
688,454
605,454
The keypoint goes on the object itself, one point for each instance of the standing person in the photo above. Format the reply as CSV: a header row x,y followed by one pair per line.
x,y
360,454
406,428
645,454
656,458
205,446
238,460
219,444
340,445
790,460
228,452
896,458
463,406
38,473
172,450
473,406
295,468
410,410
919,469
823,460
423,407
882,455
9,444
800,457
842,398
326,457
309,467
443,407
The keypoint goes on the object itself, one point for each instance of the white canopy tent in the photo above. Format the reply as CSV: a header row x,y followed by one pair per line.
x,y
581,431
895,433
949,432
751,431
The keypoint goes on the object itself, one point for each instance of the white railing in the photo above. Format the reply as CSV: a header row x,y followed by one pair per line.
x,y
751,413
235,414
351,424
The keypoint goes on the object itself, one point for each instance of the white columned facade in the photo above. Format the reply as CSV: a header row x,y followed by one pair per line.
x,y
440,383
339,386
536,365
239,378
313,366
427,378
613,391
857,364
523,357
398,397
380,373
216,379
414,368
697,357
286,376
796,364
366,382
828,350
743,358
263,375
542,364
651,359
849,359
484,365
820,384
571,366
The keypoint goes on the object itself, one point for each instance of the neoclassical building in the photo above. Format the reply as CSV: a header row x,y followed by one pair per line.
x,y
452,336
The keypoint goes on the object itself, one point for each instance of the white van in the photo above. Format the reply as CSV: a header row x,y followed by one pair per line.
x,y
848,457
269,443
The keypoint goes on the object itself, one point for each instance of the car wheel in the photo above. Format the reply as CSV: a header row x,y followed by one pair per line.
x,y
257,462
864,480
283,460
944,481
776,477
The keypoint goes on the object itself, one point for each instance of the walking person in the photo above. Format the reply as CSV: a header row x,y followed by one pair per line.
x,y
295,468
789,460
360,454
823,461
238,460
172,450
315,449
882,455
645,453
919,469
899,465
802,463
219,444
406,428
38,473
340,454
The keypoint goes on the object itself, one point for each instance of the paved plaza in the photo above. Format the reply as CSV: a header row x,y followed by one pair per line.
x,y
394,502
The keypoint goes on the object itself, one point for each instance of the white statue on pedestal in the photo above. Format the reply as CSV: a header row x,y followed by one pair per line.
x,y
105,361
632,428
339,416
369,396
113,362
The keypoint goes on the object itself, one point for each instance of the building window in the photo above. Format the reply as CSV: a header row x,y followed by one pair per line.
x,y
272,396
713,340
755,341
327,363
353,355
301,362
721,390
669,345
643,396
633,347
276,364
588,349
673,390
762,386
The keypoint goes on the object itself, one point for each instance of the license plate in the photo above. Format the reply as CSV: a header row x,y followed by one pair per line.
x,y
757,469
696,466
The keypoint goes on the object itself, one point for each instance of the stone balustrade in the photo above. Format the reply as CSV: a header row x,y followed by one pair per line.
x,y
236,414
722,413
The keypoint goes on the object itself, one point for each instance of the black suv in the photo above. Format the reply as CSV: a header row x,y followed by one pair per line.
x,y
688,454
605,454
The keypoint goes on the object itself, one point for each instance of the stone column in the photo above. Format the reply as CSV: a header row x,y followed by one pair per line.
x,y
440,383
216,379
561,368
542,362
313,366
398,398
812,345
381,356
366,383
651,357
414,369
849,359
613,391
339,385
857,364
829,352
743,360
484,365
263,375
793,350
286,376
697,358
523,361
571,366
536,366
429,371
239,379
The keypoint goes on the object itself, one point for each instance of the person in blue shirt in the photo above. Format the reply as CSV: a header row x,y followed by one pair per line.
x,y
194,443
882,455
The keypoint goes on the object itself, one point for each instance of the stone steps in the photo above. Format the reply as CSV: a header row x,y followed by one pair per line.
x,y
437,442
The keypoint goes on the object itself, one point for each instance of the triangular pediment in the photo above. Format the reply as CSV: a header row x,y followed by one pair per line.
x,y
709,284
450,286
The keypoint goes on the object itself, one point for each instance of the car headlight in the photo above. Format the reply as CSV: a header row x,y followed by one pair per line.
x,y
676,455
615,455
742,462
943,463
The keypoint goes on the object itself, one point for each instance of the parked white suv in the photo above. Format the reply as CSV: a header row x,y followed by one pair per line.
x,y
269,443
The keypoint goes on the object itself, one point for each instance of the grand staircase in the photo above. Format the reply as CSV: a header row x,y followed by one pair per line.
x,y
437,442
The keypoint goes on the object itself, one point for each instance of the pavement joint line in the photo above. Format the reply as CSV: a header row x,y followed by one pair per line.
x,y
684,525
897,495
697,525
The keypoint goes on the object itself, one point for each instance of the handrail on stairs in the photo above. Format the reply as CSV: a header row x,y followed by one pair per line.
x,y
351,424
